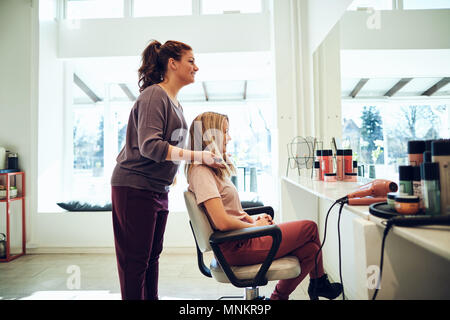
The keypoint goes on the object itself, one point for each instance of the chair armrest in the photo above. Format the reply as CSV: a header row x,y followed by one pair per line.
x,y
219,237
241,234
258,210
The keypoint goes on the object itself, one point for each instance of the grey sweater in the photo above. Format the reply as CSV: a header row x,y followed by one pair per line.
x,y
154,122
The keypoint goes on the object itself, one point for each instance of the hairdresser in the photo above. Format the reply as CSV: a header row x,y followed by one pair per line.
x,y
147,165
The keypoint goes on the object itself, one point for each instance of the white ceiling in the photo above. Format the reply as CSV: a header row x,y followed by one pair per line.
x,y
385,68
223,73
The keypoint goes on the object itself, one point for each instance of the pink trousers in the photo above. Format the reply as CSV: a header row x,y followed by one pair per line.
x,y
299,238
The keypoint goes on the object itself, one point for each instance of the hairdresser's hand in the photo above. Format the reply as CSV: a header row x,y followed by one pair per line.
x,y
212,160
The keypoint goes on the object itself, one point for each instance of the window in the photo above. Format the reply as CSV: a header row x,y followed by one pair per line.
x,y
231,6
93,9
429,4
88,179
47,10
378,130
250,148
143,8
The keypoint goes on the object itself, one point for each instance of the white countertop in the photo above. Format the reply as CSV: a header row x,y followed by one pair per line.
x,y
331,191
433,238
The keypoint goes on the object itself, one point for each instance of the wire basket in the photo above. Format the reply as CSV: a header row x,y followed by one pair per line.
x,y
301,152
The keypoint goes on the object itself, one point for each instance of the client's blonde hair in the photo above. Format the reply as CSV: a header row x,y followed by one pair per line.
x,y
207,133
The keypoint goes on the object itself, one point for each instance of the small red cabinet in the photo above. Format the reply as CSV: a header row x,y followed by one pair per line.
x,y
12,214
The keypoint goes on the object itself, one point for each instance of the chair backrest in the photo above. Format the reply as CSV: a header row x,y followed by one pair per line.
x,y
199,221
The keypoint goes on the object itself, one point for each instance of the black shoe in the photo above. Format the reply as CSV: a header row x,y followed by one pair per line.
x,y
323,288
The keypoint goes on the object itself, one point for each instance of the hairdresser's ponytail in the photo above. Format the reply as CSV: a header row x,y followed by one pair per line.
x,y
154,61
151,71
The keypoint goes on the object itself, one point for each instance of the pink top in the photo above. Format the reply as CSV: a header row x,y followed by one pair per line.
x,y
205,185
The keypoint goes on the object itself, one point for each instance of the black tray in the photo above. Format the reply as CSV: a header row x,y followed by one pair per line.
x,y
383,210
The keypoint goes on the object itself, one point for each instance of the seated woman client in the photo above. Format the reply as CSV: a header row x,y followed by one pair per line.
x,y
214,190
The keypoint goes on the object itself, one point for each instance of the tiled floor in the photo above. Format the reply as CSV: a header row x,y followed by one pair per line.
x,y
54,276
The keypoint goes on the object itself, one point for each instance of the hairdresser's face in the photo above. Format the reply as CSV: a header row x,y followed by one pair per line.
x,y
186,68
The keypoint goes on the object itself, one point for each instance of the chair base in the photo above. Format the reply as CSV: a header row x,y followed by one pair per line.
x,y
249,294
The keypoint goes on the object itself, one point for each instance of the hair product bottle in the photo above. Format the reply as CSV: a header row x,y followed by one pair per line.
x,y
316,171
406,175
325,163
319,159
348,161
440,153
340,164
416,148
430,188
417,185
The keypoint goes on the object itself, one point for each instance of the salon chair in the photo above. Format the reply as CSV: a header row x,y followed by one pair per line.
x,y
250,277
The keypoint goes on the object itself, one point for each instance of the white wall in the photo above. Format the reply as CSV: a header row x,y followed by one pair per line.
x,y
397,29
327,88
321,17
18,91
128,36
311,21
51,117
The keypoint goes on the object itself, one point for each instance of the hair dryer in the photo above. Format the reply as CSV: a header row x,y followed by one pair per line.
x,y
375,191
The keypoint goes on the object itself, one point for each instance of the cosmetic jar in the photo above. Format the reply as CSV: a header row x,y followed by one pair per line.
x,y
406,175
391,199
440,152
330,177
416,148
351,177
430,188
407,204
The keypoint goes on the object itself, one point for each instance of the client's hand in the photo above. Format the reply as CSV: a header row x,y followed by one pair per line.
x,y
248,219
264,220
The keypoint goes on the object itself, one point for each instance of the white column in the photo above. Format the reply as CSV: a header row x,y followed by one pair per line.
x,y
282,40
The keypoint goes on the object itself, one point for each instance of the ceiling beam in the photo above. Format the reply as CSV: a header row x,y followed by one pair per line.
x,y
83,86
400,84
434,88
127,91
205,91
358,87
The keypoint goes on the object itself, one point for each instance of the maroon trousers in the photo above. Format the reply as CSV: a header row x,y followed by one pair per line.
x,y
299,238
139,222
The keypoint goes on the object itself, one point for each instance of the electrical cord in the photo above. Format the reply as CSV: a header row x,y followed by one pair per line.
x,y
388,224
342,202
339,245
